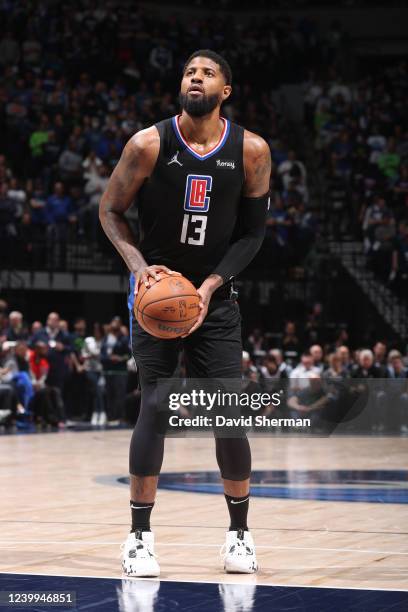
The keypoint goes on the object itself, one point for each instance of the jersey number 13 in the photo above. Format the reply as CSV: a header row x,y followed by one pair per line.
x,y
196,200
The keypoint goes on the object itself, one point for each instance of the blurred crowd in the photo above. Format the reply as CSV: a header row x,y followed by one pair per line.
x,y
54,375
77,81
361,133
331,384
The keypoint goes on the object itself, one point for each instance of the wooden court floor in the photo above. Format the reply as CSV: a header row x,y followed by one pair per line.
x,y
60,515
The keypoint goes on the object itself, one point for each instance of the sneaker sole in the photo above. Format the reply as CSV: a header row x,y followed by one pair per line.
x,y
241,571
141,573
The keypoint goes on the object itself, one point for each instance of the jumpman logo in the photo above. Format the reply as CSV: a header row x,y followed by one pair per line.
x,y
174,160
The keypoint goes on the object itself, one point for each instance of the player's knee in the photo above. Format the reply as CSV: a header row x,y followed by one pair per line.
x,y
234,458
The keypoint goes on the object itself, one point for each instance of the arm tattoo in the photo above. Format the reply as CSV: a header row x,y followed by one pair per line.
x,y
115,201
263,166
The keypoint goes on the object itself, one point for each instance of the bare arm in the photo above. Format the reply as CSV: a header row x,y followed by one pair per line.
x,y
135,165
257,164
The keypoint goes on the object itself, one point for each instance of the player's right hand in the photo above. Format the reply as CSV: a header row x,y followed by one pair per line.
x,y
145,274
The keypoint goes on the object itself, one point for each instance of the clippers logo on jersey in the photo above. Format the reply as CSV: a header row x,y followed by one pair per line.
x,y
197,188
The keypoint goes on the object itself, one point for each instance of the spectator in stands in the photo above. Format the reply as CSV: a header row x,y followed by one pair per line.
x,y
270,369
345,358
58,353
399,260
316,352
15,373
314,325
18,196
114,356
304,227
303,371
22,380
59,214
47,403
16,329
249,371
389,160
77,392
278,224
291,346
336,370
161,59
308,400
38,139
94,188
36,326
366,368
91,356
91,165
395,367
8,397
378,224
342,338
70,163
283,367
9,212
256,343
380,356
290,168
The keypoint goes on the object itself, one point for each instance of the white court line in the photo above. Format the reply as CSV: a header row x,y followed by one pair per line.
x,y
189,545
260,585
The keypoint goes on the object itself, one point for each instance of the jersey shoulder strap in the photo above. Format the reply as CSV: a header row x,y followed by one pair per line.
x,y
167,138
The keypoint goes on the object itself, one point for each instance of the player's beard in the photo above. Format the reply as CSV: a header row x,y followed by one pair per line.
x,y
198,107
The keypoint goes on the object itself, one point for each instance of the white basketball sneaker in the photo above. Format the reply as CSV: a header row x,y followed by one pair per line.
x,y
238,553
138,558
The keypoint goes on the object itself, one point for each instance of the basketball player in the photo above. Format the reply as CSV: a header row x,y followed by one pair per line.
x,y
193,177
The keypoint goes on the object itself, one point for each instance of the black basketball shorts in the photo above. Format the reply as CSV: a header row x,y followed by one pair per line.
x,y
214,350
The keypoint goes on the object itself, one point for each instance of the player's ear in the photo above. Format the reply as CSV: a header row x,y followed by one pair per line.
x,y
226,92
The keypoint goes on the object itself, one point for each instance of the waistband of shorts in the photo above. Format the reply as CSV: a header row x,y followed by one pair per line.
x,y
223,292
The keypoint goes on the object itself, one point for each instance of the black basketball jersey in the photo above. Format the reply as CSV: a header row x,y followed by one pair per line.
x,y
188,206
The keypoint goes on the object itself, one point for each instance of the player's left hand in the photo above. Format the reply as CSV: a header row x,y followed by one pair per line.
x,y
205,296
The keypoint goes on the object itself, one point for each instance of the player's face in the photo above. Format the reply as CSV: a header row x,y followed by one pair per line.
x,y
203,87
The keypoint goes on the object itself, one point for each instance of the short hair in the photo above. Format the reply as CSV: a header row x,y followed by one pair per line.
x,y
215,57
366,353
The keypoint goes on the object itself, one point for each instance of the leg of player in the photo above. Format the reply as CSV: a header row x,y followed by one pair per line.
x,y
138,551
155,359
145,459
138,558
214,351
234,460
239,546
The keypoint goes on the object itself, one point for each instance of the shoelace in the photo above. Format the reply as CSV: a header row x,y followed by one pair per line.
x,y
140,546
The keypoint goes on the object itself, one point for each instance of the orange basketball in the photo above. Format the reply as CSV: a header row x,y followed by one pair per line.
x,y
168,308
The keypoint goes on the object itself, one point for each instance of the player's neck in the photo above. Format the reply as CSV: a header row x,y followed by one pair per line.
x,y
201,130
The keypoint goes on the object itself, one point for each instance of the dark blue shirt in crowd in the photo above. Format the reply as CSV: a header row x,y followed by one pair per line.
x,y
57,209
120,348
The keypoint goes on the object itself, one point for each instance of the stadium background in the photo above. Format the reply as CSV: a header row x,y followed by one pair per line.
x,y
325,87
325,300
